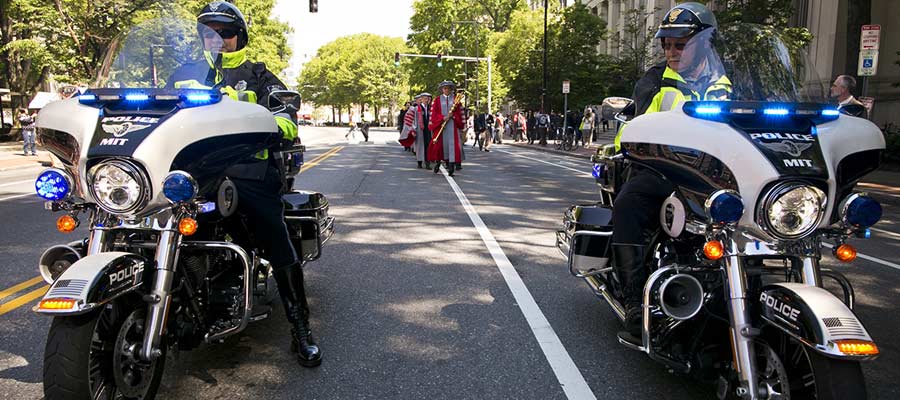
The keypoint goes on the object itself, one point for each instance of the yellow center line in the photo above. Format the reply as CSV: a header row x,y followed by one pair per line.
x,y
321,158
316,159
24,285
30,296
26,298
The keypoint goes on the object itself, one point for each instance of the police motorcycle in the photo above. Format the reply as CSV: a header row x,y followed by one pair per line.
x,y
168,264
764,188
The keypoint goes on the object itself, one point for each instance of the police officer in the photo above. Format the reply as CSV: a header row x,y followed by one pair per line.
x,y
223,30
686,34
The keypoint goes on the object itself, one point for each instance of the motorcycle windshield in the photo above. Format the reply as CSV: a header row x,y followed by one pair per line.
x,y
158,52
746,62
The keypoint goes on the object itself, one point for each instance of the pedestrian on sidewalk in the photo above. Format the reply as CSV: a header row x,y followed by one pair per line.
x,y
587,126
488,131
27,122
531,122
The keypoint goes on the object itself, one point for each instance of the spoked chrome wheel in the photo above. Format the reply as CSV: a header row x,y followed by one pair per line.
x,y
787,369
773,376
92,356
133,377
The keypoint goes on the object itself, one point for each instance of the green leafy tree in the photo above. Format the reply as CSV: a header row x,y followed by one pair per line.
x,y
356,69
66,39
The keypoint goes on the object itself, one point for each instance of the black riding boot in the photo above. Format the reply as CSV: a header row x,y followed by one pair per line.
x,y
450,168
632,273
420,164
293,296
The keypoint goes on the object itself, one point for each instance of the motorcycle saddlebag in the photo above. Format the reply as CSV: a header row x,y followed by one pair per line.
x,y
587,237
310,226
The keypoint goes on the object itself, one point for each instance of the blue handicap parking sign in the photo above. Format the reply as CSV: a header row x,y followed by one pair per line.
x,y
867,63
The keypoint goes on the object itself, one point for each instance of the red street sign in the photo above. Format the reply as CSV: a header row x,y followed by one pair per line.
x,y
869,37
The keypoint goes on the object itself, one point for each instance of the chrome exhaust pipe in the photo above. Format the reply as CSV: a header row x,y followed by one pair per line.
x,y
57,259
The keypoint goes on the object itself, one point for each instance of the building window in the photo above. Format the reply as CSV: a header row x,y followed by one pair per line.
x,y
594,11
800,18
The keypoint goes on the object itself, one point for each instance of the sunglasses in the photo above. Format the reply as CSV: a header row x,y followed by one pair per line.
x,y
677,46
225,33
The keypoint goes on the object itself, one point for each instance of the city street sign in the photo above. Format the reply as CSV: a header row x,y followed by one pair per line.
x,y
868,63
869,37
565,87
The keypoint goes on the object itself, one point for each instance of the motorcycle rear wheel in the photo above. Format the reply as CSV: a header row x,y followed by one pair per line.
x,y
785,365
81,353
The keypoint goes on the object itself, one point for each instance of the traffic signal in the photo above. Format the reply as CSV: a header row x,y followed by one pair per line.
x,y
313,6
397,58
440,61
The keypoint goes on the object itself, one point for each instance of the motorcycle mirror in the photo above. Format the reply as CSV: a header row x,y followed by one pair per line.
x,y
288,100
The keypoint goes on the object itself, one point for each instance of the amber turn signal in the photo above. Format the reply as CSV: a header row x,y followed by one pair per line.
x,y
187,226
857,347
713,250
56,304
66,224
845,253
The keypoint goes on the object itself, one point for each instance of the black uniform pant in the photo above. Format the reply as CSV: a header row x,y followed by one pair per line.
x,y
637,207
260,202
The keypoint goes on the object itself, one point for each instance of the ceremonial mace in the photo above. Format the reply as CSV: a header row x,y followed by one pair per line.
x,y
456,102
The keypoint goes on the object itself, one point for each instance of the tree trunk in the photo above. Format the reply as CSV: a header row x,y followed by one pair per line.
x,y
859,13
332,115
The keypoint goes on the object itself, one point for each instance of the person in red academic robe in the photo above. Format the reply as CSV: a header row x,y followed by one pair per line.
x,y
447,147
408,130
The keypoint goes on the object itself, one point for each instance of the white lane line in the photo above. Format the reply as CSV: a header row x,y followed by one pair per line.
x,y
895,235
547,162
17,196
870,258
558,157
17,183
567,373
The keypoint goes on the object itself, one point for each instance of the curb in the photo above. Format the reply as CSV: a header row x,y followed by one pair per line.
x,y
41,163
553,150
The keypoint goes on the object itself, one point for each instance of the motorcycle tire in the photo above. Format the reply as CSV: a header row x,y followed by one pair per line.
x,y
831,379
69,357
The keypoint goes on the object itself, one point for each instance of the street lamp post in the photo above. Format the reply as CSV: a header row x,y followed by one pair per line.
x,y
544,80
475,25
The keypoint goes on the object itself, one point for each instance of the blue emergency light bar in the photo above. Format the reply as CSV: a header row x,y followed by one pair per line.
x,y
725,111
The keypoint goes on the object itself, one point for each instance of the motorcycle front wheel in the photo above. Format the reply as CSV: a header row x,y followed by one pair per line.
x,y
791,371
91,356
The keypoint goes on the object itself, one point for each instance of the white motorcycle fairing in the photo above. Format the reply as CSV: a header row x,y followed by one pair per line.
x,y
153,139
702,156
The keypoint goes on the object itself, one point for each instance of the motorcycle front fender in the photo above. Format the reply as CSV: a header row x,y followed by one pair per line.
x,y
814,317
93,281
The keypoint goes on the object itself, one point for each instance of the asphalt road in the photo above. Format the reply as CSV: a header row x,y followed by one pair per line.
x,y
412,300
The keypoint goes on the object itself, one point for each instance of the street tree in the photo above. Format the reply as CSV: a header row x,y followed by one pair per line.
x,y
356,69
66,39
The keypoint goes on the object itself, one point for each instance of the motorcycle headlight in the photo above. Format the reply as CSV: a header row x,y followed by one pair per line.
x,y
119,186
792,210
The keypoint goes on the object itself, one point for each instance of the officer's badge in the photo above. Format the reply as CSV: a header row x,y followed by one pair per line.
x,y
214,6
674,14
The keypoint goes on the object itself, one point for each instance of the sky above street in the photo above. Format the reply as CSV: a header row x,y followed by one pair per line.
x,y
338,18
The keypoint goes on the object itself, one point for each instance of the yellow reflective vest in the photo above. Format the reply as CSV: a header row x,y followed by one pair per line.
x,y
673,91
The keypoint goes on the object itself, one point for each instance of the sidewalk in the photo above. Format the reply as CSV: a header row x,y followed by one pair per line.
x,y
883,184
11,157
